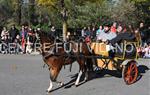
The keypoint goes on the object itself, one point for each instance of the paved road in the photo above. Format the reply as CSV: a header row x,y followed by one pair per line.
x,y
24,75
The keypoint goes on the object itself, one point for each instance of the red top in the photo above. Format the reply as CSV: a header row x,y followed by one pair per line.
x,y
113,29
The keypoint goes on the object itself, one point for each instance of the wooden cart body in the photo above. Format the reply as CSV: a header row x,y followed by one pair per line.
x,y
128,65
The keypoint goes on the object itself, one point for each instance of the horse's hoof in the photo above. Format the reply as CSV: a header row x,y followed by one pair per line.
x,y
48,91
61,84
85,80
76,85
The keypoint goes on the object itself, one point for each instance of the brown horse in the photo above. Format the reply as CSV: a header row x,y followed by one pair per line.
x,y
55,60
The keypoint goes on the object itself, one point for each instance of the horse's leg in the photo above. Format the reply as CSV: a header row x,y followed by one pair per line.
x,y
52,78
86,76
88,68
56,75
81,63
78,78
70,67
50,85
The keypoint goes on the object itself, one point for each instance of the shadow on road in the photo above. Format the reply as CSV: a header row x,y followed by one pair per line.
x,y
101,74
118,74
142,70
66,85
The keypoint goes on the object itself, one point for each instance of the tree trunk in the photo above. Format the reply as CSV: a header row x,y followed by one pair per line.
x,y
19,11
64,30
64,16
31,11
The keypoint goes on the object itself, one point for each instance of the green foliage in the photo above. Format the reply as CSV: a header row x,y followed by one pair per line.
x,y
87,14
80,12
5,10
45,27
124,11
100,13
143,10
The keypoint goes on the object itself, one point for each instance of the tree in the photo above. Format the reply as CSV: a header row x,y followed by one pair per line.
x,y
6,10
124,11
87,14
80,13
17,4
66,11
61,8
32,14
143,10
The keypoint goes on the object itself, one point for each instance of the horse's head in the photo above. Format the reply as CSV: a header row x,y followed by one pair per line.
x,y
45,37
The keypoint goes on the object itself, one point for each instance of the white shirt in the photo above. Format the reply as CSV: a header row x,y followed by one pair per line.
x,y
106,36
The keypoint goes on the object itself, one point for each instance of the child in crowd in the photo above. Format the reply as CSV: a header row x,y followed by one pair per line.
x,y
147,51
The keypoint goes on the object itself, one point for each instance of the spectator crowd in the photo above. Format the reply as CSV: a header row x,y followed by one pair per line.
x,y
18,40
114,33
26,37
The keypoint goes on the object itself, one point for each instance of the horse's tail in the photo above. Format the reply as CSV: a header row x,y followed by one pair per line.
x,y
70,67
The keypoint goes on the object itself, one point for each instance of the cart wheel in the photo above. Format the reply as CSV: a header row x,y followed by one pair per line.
x,y
130,72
